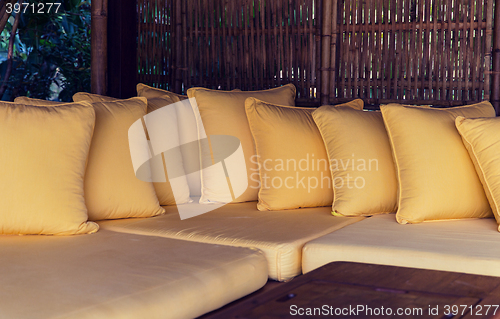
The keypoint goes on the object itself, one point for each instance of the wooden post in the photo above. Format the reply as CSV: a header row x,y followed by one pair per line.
x,y
326,34
334,48
99,38
179,55
122,48
495,82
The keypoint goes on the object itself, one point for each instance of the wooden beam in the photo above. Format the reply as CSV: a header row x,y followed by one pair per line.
x,y
326,37
122,48
99,38
177,62
495,81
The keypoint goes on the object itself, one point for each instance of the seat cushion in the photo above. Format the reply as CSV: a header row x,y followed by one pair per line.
x,y
468,246
115,275
280,234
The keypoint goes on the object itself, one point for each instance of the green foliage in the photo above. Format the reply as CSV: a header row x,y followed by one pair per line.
x,y
51,52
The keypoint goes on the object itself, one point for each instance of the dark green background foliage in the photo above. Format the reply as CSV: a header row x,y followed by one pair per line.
x,y
51,52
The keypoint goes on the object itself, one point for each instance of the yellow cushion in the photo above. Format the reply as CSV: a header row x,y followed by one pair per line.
x,y
481,137
111,188
89,97
464,246
292,160
188,132
437,179
360,159
223,113
163,189
280,234
113,275
43,157
167,165
158,98
161,183
38,102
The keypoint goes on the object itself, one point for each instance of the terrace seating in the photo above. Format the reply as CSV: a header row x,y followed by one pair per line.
x,y
115,275
145,261
466,246
280,235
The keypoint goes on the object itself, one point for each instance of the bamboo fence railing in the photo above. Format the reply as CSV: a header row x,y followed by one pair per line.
x,y
412,51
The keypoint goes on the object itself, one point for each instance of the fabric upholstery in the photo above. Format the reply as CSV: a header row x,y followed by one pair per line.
x,y
89,97
113,275
436,176
188,131
292,163
38,102
158,98
467,246
111,188
42,165
163,189
361,162
223,113
161,183
280,234
481,137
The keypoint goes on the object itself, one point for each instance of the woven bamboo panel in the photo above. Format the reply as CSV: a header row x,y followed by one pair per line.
x,y
418,51
413,51
222,44
155,43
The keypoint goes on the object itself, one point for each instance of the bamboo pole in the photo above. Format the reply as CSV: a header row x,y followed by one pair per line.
x,y
99,47
326,36
495,83
177,65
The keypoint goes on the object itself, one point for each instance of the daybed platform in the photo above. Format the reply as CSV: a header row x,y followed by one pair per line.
x,y
279,234
467,246
116,275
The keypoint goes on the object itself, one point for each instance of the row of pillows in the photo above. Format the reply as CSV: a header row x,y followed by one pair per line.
x,y
424,156
422,170
63,166
74,161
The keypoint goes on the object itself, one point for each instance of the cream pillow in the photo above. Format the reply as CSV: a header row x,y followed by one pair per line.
x,y
158,98
163,186
436,176
223,113
360,160
37,102
291,158
84,96
481,137
187,131
112,190
43,157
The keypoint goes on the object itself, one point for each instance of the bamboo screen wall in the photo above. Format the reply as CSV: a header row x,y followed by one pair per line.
x,y
420,51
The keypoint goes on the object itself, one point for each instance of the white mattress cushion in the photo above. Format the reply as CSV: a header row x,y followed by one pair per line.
x,y
468,246
116,275
279,234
